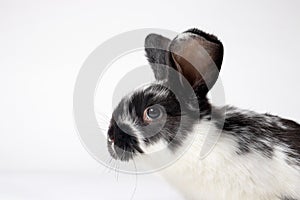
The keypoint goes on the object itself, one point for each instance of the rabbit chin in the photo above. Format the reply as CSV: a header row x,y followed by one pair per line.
x,y
222,173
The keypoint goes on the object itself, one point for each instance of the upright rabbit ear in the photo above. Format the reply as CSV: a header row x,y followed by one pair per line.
x,y
156,47
198,57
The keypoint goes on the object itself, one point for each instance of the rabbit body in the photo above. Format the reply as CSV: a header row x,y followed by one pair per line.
x,y
251,156
266,171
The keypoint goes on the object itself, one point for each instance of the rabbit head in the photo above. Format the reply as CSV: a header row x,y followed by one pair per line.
x,y
162,114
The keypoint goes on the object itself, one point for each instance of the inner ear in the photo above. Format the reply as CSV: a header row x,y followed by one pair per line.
x,y
198,57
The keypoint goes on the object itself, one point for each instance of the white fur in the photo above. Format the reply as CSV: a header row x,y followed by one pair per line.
x,y
224,174
156,147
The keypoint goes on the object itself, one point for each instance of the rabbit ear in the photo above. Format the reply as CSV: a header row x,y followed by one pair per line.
x,y
156,47
198,57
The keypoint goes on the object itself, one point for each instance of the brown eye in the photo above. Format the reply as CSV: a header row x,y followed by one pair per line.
x,y
152,113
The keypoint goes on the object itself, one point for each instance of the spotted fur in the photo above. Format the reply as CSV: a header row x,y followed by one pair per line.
x,y
257,156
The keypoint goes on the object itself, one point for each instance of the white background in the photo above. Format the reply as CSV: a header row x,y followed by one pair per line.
x,y
44,43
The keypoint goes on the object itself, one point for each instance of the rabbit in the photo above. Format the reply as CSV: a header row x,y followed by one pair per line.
x,y
257,156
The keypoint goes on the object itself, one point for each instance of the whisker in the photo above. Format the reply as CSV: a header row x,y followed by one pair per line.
x,y
102,129
103,124
107,161
119,163
118,170
136,178
115,168
111,164
104,116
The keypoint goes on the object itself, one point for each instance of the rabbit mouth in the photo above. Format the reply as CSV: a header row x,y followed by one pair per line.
x,y
123,152
122,144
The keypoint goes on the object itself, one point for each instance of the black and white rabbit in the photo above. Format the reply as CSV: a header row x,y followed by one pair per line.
x,y
257,156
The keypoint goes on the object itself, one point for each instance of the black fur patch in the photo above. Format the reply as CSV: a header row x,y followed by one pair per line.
x,y
207,36
261,132
179,121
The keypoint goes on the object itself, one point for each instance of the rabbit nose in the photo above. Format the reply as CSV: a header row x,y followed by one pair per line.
x,y
111,135
111,140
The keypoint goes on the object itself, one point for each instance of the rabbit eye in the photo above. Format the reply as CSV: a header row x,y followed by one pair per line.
x,y
152,113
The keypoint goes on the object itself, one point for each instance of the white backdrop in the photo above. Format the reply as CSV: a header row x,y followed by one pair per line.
x,y
44,43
